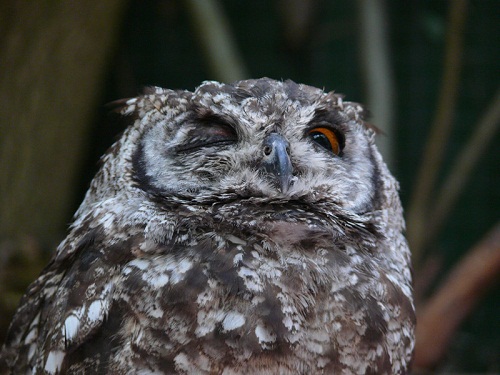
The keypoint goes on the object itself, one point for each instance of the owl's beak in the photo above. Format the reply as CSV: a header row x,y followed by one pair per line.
x,y
276,163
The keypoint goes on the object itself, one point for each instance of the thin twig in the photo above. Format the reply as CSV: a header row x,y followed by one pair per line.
x,y
455,299
440,130
377,71
465,162
217,40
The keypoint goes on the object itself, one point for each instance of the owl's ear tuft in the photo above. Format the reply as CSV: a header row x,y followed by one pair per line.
x,y
121,114
120,106
374,128
203,112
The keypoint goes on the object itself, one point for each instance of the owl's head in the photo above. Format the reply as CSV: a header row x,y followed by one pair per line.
x,y
266,139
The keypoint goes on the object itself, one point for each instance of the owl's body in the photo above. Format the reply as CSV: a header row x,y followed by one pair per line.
x,y
227,233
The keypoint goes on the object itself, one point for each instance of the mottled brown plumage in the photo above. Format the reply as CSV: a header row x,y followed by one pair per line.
x,y
244,228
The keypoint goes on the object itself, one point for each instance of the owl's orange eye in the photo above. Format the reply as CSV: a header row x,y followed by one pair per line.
x,y
326,138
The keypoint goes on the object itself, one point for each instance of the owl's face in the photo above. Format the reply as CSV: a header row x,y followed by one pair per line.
x,y
278,142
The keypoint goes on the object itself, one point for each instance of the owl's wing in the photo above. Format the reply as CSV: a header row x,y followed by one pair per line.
x,y
64,307
23,330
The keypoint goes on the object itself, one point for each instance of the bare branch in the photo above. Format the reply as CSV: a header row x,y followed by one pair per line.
x,y
465,162
440,130
377,71
455,299
53,56
217,40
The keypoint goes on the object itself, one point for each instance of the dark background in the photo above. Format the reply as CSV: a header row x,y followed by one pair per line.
x,y
156,43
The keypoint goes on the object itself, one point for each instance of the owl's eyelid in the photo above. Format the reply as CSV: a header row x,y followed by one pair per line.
x,y
209,131
213,119
208,123
222,130
324,124
199,144
339,133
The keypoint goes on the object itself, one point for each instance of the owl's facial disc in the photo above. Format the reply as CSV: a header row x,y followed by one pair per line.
x,y
256,146
276,165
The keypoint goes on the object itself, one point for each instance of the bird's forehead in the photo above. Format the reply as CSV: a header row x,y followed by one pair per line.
x,y
260,93
260,103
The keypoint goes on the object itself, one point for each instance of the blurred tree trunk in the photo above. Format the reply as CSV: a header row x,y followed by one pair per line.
x,y
52,56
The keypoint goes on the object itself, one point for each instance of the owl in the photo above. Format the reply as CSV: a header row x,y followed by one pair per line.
x,y
245,228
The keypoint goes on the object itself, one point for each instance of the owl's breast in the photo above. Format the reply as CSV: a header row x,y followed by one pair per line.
x,y
245,299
